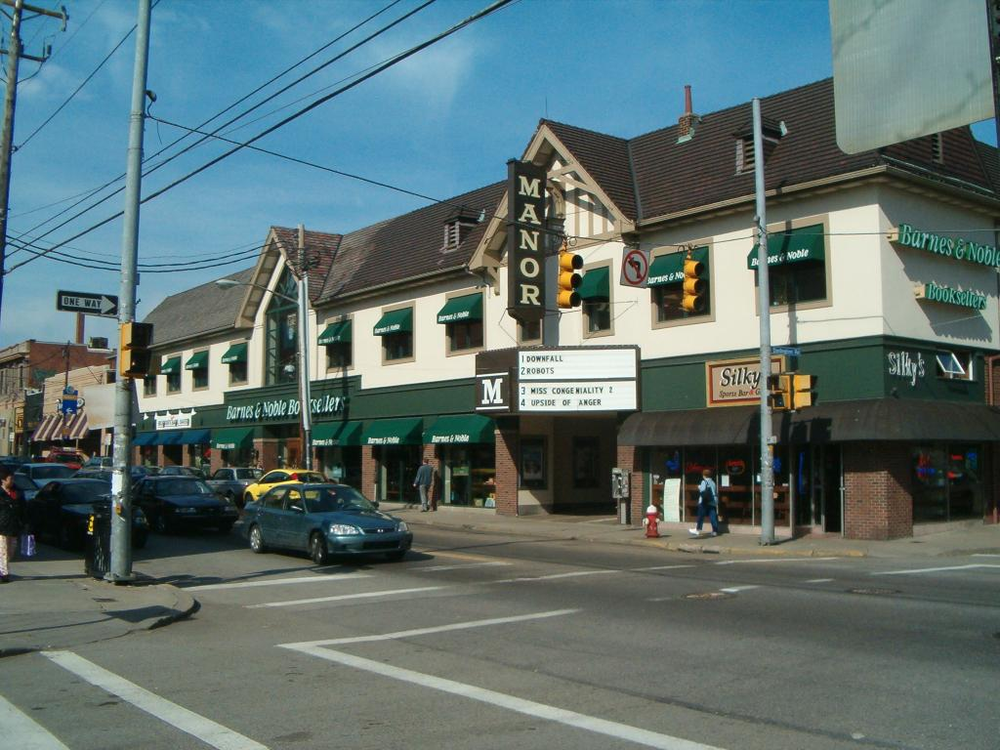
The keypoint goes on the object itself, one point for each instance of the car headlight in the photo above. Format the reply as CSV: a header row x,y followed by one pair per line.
x,y
344,529
401,526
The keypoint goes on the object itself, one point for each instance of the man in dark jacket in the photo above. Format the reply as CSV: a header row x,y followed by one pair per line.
x,y
423,481
13,515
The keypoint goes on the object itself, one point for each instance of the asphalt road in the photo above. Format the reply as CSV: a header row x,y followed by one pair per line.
x,y
484,641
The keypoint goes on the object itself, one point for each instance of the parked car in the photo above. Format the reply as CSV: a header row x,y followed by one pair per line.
x,y
181,471
323,520
278,476
96,462
72,459
232,481
25,485
175,502
61,509
40,472
135,472
11,461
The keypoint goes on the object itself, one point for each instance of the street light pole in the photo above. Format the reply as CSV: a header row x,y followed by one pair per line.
x,y
305,396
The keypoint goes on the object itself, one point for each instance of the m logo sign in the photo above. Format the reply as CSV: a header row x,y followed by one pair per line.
x,y
493,392
526,240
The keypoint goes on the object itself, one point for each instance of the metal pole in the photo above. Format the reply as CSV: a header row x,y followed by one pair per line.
x,y
7,136
764,303
121,489
304,391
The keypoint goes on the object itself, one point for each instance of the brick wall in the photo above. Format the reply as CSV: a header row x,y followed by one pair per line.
x,y
369,471
629,458
430,454
506,468
267,452
877,487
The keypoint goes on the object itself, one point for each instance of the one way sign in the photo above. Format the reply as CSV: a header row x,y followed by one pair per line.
x,y
105,305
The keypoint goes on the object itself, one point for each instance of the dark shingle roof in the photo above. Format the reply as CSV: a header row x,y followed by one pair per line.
x,y
198,311
321,249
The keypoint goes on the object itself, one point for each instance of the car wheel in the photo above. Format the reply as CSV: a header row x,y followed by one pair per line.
x,y
396,556
317,549
257,539
162,525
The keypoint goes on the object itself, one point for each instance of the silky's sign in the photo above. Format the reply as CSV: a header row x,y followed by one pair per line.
x,y
736,382
525,241
282,408
948,247
906,366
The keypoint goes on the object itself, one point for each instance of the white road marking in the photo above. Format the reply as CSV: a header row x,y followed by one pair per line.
x,y
738,589
774,560
187,721
491,697
279,582
985,554
427,631
435,568
933,570
342,597
574,574
820,580
24,732
661,567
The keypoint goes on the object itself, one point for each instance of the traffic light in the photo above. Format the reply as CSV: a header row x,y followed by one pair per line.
x,y
135,360
779,392
569,279
802,390
693,300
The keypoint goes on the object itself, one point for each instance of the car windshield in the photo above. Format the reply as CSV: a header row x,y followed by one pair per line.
x,y
85,492
23,482
248,473
335,498
183,487
55,471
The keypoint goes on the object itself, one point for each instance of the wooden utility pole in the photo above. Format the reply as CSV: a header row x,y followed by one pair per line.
x,y
14,55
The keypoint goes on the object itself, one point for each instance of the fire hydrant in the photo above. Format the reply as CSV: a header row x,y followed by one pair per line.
x,y
650,522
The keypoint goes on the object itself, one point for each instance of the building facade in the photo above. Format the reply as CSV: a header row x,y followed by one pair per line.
x,y
423,343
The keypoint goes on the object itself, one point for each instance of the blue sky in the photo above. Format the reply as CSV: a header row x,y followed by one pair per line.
x,y
443,122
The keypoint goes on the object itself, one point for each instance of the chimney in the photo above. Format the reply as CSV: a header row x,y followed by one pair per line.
x,y
686,123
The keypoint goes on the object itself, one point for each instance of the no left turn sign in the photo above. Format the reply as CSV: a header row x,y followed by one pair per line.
x,y
635,267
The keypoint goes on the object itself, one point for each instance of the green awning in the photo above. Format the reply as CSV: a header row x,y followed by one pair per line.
x,y
328,434
336,333
461,428
145,438
231,439
458,309
198,361
595,285
397,321
394,432
235,353
669,269
171,367
185,437
793,246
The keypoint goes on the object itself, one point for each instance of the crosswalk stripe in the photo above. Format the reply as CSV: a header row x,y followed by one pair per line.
x,y
933,570
438,568
343,597
279,582
23,732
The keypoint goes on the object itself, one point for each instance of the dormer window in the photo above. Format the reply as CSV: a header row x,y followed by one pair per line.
x,y
937,148
744,155
772,133
457,226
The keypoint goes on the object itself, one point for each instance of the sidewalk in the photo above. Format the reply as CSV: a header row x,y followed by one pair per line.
x,y
50,603
958,539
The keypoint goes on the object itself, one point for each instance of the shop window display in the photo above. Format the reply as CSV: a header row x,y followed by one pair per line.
x,y
946,483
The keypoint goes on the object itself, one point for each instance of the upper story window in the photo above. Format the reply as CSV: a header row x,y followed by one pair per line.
x,y
281,333
171,367
595,293
198,365
954,365
796,265
337,339
149,385
395,328
462,317
669,274
236,358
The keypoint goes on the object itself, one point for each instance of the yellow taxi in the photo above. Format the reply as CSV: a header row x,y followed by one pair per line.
x,y
280,476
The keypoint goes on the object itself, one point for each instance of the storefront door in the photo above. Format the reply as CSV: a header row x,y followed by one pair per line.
x,y
817,477
397,466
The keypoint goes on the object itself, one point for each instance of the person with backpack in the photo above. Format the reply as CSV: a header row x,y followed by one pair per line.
x,y
708,503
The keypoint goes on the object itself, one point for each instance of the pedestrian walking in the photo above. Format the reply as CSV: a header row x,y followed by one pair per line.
x,y
423,480
708,503
13,520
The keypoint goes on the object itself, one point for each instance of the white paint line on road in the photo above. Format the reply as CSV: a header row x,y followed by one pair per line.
x,y
429,631
187,721
496,699
820,580
279,582
436,568
933,570
985,554
554,576
23,732
774,560
343,597
660,567
738,589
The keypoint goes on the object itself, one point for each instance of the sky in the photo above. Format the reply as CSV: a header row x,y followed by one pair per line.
x,y
442,122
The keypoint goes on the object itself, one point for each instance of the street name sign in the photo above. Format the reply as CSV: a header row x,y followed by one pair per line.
x,y
105,305
788,351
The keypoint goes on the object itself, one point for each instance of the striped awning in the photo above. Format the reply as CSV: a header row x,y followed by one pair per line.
x,y
58,427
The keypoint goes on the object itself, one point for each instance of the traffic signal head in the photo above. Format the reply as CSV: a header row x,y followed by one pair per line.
x,y
135,360
802,390
693,300
569,279
779,392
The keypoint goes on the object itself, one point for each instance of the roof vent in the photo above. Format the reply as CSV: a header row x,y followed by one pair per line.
x,y
457,226
687,122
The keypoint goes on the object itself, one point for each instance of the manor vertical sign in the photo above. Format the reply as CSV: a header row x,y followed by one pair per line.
x,y
525,241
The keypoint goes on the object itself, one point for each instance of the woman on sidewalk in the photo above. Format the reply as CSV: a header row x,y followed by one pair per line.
x,y
12,520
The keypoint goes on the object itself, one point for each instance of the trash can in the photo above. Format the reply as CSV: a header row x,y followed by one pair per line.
x,y
97,556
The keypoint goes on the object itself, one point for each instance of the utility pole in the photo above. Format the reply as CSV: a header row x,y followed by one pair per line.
x,y
764,302
14,55
304,392
121,485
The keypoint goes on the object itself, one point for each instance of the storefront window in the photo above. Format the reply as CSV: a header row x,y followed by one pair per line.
x,y
469,476
735,481
533,467
586,460
946,483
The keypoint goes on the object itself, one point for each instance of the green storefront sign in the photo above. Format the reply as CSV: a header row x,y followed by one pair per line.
x,y
960,249
949,296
